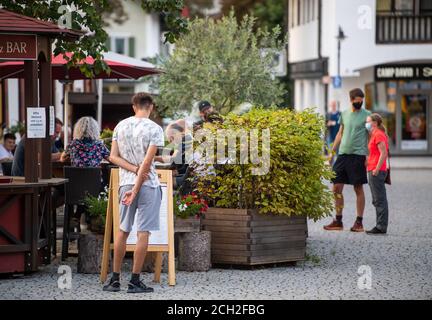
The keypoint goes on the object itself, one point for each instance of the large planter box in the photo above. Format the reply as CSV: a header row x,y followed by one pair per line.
x,y
245,237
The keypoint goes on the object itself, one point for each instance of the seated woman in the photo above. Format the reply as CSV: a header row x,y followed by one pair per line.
x,y
86,149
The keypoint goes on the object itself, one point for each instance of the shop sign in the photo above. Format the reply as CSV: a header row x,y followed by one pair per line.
x,y
18,47
414,145
403,72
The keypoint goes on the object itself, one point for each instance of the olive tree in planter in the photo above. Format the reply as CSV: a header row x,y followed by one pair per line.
x,y
259,219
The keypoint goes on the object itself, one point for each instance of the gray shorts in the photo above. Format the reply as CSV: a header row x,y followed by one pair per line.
x,y
145,209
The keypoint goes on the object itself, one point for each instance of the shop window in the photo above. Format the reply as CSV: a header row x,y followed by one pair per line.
x,y
426,7
397,7
381,98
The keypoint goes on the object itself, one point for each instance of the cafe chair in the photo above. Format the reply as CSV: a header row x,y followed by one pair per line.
x,y
81,182
7,168
183,183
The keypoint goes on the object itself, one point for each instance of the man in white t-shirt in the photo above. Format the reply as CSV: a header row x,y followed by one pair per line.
x,y
6,149
135,140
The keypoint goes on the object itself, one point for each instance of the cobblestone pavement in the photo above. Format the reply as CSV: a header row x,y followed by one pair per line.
x,y
401,262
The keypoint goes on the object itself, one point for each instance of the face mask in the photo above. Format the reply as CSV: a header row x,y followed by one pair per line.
x,y
357,105
368,126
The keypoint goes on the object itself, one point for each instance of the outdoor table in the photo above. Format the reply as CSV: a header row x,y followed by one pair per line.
x,y
26,233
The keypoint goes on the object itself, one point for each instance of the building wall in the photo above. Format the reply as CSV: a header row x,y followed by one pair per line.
x,y
304,40
359,50
143,27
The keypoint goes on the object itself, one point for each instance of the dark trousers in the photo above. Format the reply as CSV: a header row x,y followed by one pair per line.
x,y
379,198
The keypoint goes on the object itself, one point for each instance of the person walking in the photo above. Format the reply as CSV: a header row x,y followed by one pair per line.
x,y
136,140
333,123
350,166
377,171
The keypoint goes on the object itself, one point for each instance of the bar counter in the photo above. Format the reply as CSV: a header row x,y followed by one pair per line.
x,y
26,230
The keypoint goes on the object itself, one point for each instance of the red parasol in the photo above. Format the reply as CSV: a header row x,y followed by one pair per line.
x,y
122,67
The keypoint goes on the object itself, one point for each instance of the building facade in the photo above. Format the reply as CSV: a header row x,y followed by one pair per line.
x,y
381,46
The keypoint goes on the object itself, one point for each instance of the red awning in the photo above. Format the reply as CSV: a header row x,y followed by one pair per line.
x,y
122,67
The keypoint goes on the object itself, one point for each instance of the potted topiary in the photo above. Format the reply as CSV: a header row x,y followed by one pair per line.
x,y
262,218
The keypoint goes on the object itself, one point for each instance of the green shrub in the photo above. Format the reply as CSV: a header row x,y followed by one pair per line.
x,y
106,137
295,182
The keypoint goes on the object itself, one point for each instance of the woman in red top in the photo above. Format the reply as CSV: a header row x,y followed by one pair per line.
x,y
377,170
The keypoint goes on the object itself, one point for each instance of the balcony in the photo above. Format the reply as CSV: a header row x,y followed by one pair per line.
x,y
394,29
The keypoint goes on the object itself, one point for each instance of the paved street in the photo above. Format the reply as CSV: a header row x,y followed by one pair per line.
x,y
401,262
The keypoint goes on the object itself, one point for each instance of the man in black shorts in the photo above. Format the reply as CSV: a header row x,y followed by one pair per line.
x,y
350,166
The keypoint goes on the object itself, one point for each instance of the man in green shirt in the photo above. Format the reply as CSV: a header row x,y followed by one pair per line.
x,y
350,166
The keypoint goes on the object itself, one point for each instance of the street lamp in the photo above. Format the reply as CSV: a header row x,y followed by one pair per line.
x,y
340,37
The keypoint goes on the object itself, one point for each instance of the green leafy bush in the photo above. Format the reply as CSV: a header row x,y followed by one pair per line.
x,y
294,184
106,137
96,207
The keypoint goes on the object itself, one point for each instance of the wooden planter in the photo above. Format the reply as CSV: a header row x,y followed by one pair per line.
x,y
191,224
245,237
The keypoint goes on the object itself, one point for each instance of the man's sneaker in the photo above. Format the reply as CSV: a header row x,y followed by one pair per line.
x,y
334,226
357,227
112,286
375,231
138,288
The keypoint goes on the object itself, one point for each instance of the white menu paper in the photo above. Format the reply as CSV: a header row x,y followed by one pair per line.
x,y
36,123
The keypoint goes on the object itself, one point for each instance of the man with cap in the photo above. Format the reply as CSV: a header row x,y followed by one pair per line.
x,y
205,108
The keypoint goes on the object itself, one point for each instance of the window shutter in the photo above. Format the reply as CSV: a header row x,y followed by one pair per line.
x,y
132,46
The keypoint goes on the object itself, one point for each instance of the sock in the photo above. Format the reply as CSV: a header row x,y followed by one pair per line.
x,y
135,278
359,219
339,218
115,276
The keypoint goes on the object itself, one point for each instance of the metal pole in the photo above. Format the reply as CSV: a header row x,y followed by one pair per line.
x,y
99,102
339,54
66,116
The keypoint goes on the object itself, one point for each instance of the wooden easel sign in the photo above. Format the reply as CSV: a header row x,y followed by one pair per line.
x,y
160,241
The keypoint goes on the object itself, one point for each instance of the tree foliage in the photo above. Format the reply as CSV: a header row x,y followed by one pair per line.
x,y
88,15
223,62
269,13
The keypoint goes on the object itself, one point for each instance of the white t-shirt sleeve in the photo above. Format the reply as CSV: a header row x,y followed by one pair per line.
x,y
115,133
3,153
157,137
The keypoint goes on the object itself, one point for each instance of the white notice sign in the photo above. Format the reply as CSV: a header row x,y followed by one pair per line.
x,y
36,123
51,121
159,237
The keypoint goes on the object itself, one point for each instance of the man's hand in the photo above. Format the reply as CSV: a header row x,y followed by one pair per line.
x,y
129,197
375,172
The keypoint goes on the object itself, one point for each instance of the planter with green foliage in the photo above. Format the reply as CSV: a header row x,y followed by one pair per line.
x,y
260,219
96,208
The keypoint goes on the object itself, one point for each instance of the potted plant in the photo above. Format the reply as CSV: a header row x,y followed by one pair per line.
x,y
188,210
262,218
96,208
